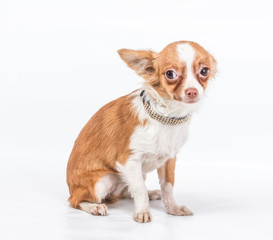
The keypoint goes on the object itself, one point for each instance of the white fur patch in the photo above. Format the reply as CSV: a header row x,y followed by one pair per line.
x,y
167,195
105,186
132,174
155,143
186,54
109,185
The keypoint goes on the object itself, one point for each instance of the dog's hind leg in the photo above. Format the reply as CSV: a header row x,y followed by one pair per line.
x,y
94,208
90,197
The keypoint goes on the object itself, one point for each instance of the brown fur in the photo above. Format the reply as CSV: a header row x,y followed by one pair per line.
x,y
152,67
166,172
102,142
203,59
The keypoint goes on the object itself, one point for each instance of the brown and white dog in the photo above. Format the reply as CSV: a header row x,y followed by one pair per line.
x,y
140,132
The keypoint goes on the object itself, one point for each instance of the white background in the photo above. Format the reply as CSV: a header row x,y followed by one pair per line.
x,y
58,66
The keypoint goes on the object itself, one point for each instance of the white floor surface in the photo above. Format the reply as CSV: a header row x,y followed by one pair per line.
x,y
229,200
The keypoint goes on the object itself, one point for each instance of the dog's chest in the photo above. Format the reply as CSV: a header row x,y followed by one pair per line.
x,y
155,143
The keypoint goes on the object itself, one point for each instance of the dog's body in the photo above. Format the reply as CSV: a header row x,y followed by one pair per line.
x,y
140,132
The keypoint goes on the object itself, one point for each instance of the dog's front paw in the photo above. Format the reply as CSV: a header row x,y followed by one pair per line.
x,y
179,211
142,217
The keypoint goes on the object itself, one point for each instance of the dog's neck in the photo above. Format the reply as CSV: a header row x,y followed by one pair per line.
x,y
169,107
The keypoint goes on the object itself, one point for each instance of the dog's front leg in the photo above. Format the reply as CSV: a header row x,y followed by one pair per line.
x,y
166,178
132,174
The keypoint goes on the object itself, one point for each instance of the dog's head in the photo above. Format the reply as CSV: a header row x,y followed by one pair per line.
x,y
181,71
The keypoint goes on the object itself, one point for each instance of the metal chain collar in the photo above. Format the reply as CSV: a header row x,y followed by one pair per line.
x,y
160,118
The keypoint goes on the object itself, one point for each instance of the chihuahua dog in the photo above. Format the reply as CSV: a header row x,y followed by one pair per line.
x,y
140,132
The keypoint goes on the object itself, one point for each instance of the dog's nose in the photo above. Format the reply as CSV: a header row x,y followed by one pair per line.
x,y
191,93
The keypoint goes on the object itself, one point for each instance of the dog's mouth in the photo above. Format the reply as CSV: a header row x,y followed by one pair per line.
x,y
191,101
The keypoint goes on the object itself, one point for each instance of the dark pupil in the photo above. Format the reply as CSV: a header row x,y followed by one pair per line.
x,y
204,71
170,74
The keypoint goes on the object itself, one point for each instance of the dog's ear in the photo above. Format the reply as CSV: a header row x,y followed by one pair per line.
x,y
213,67
142,61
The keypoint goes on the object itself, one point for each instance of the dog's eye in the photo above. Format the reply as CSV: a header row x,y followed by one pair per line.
x,y
204,71
170,74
